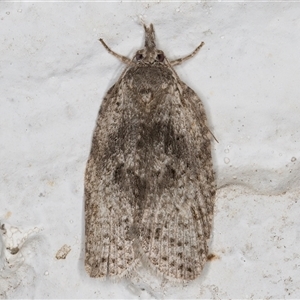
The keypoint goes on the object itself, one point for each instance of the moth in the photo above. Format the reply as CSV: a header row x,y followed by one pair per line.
x,y
149,181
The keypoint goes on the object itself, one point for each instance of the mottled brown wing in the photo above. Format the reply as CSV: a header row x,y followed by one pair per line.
x,y
177,214
108,211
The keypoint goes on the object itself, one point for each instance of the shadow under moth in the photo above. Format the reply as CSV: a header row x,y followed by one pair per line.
x,y
149,181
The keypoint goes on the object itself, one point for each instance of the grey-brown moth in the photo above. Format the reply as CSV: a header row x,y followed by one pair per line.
x,y
149,181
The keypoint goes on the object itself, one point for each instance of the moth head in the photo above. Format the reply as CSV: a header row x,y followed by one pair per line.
x,y
149,54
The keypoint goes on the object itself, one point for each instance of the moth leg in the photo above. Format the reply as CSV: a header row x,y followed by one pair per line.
x,y
182,59
213,135
122,58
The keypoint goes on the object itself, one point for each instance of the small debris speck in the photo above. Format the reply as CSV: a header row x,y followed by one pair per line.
x,y
63,252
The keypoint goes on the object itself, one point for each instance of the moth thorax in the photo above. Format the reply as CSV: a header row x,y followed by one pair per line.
x,y
146,95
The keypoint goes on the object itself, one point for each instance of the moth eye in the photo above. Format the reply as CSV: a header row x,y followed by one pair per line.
x,y
139,56
160,57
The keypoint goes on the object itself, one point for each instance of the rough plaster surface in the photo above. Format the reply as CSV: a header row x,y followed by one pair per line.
x,y
54,73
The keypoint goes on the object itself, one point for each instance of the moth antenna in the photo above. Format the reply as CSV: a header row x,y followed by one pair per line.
x,y
122,58
149,36
178,61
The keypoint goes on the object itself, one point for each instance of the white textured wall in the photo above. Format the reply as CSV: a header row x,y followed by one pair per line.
x,y
53,75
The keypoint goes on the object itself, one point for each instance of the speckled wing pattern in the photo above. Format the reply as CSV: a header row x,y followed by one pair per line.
x,y
149,183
